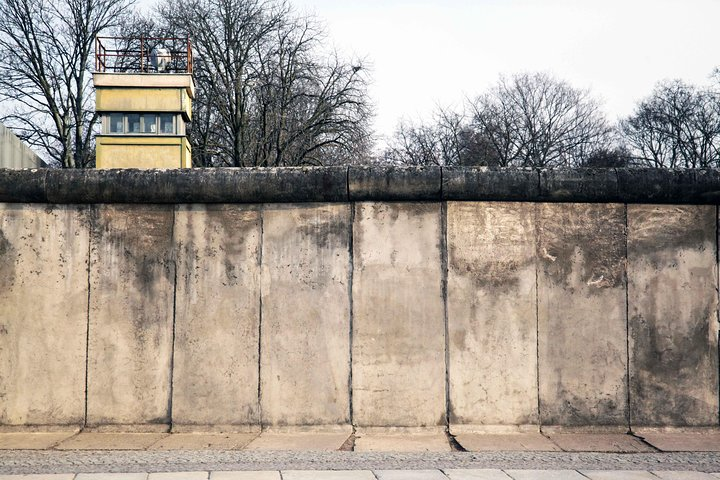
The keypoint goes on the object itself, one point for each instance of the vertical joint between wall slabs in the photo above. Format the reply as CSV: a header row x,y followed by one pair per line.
x,y
444,287
90,226
536,215
174,263
260,316
351,272
628,413
717,293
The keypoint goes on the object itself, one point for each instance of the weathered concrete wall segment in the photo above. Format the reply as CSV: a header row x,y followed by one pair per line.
x,y
673,314
217,316
492,313
476,314
398,316
582,318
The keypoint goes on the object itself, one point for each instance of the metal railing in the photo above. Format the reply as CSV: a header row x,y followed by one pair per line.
x,y
143,55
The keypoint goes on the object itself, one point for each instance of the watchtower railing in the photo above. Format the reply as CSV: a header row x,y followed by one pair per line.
x,y
143,55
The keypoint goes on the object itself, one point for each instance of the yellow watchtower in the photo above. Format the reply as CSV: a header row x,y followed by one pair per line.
x,y
143,93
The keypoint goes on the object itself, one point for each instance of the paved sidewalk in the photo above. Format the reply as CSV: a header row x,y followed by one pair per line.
x,y
370,455
390,440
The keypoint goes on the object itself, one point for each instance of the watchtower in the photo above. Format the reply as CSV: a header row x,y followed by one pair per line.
x,y
143,93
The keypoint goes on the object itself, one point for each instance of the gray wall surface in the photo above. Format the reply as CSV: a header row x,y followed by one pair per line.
x,y
467,314
14,153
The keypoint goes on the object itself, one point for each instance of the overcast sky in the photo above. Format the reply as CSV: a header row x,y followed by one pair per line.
x,y
429,52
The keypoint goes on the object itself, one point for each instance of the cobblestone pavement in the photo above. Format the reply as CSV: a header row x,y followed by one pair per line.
x,y
52,461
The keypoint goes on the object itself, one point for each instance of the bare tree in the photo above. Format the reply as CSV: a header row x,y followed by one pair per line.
x,y
528,120
265,95
448,140
678,126
46,52
414,145
604,157
534,120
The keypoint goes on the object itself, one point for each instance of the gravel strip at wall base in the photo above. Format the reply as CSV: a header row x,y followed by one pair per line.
x,y
47,462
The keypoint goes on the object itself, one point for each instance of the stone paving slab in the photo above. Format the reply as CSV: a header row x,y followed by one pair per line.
x,y
410,475
599,442
402,443
545,475
305,442
333,475
111,441
481,474
473,442
179,476
32,441
265,475
111,476
683,442
618,475
57,476
675,475
204,441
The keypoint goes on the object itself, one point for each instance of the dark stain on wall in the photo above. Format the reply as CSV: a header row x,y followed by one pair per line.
x,y
659,234
589,237
574,410
669,359
5,245
7,262
142,238
323,232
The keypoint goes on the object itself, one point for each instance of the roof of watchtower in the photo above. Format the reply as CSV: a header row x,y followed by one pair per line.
x,y
153,55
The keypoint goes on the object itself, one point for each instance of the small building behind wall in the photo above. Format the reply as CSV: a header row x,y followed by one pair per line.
x,y
14,153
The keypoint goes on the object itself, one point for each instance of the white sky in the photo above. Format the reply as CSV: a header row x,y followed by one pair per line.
x,y
429,52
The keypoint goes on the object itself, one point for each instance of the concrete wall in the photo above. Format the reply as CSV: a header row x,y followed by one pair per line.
x,y
43,313
473,313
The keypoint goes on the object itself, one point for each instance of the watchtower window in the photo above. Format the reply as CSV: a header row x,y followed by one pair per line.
x,y
167,123
149,123
143,124
133,123
115,121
